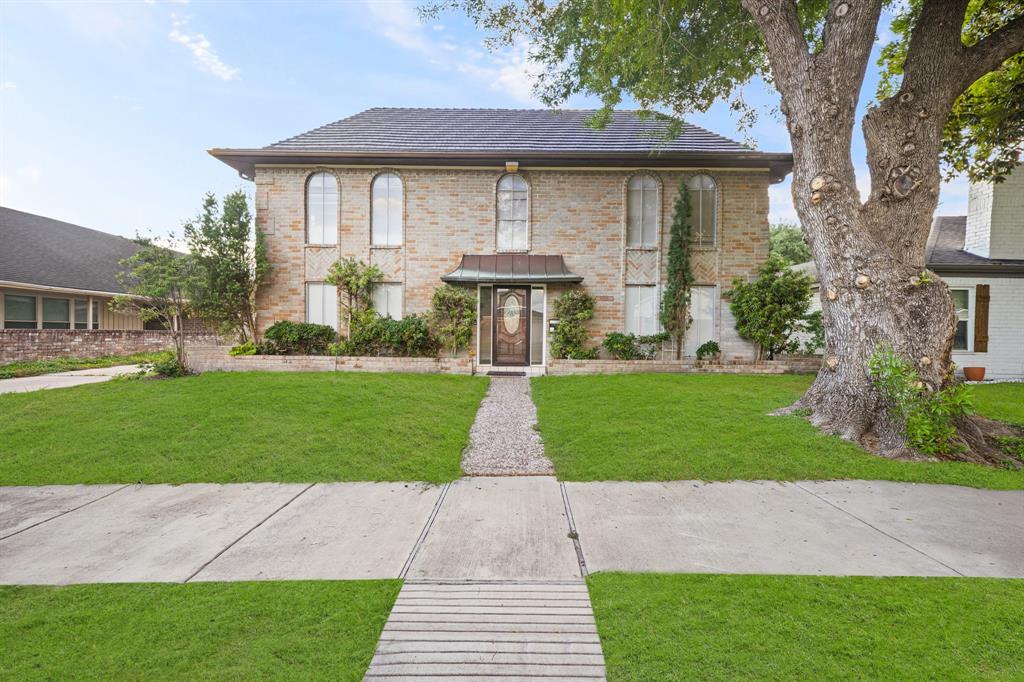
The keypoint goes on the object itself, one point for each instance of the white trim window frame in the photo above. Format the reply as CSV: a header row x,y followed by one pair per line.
x,y
637,297
319,297
964,316
689,339
387,200
323,202
643,211
512,214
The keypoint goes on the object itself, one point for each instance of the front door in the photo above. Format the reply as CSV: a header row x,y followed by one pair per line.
x,y
511,326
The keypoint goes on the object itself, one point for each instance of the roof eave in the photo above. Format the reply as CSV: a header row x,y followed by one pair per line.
x,y
779,164
979,269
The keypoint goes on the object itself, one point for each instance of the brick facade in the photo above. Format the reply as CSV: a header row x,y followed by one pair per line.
x,y
448,212
21,345
204,358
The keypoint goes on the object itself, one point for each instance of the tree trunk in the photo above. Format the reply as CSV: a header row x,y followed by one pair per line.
x,y
870,256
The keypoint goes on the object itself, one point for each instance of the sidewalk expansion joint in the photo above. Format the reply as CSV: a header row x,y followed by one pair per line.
x,y
423,533
66,511
246,533
879,530
572,531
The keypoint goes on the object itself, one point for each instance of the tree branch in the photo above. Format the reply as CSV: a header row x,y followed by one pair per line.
x,y
990,52
783,36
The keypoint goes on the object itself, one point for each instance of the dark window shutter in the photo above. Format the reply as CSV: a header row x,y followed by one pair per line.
x,y
981,318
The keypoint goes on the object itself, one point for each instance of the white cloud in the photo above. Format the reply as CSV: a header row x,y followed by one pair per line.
x,y
206,58
780,203
508,71
8,85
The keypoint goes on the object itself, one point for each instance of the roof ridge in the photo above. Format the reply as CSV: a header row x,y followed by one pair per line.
x,y
64,222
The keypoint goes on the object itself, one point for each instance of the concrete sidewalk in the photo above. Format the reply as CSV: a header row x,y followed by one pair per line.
x,y
508,529
65,379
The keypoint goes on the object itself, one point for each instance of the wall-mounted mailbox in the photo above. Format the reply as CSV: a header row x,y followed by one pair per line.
x,y
552,324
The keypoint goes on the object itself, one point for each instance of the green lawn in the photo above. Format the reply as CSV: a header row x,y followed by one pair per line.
x,y
1004,402
245,426
722,627
37,367
240,631
716,427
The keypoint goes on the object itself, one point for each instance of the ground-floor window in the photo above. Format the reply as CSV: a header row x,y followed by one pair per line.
x,y
19,312
95,314
56,313
387,300
962,303
703,301
642,310
322,304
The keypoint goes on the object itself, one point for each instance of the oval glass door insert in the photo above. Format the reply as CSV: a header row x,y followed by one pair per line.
x,y
512,314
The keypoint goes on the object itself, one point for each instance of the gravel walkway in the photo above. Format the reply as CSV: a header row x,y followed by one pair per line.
x,y
503,441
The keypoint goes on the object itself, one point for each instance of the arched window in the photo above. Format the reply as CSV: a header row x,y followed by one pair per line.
x,y
322,209
513,199
703,210
642,211
386,221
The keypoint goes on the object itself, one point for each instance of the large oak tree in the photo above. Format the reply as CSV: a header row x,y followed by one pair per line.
x,y
960,56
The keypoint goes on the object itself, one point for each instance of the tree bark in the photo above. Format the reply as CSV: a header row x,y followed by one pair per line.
x,y
871,257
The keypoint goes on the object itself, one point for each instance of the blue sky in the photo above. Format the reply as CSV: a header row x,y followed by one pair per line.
x,y
107,109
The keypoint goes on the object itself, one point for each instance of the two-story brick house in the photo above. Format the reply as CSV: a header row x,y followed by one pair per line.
x,y
517,204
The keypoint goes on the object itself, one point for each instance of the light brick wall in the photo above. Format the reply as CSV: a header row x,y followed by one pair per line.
x,y
995,218
450,212
1005,356
21,345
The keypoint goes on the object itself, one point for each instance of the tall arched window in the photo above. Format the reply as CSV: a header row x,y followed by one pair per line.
x,y
513,200
642,211
703,209
322,209
386,221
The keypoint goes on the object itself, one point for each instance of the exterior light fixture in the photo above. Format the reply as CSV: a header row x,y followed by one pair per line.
x,y
511,166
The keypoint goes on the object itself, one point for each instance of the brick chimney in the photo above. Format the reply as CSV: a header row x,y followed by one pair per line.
x,y
995,218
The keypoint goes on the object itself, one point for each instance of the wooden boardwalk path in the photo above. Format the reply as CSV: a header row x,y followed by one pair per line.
x,y
490,630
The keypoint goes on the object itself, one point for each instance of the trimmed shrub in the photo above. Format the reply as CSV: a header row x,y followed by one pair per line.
x,y
166,364
298,338
708,349
373,335
632,347
569,338
247,348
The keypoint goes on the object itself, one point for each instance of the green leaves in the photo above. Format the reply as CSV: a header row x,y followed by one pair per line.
x,y
231,263
452,316
675,302
355,279
787,241
771,309
928,416
569,337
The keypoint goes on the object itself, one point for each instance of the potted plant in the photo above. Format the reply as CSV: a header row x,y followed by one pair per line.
x,y
974,373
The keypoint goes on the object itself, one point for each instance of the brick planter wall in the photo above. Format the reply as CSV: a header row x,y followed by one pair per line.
x,y
796,365
205,358
19,345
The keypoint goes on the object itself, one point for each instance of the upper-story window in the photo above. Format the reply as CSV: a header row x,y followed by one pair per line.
x,y
703,210
642,211
513,201
322,209
386,221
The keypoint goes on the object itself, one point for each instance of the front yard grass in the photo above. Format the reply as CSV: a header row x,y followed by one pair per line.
x,y
752,627
36,367
284,630
245,426
1004,402
714,427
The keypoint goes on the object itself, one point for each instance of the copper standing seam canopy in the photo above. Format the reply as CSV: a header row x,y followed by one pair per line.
x,y
511,269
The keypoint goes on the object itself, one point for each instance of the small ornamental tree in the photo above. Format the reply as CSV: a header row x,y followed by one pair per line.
x,y
675,303
231,260
787,241
772,308
158,282
569,338
354,279
452,316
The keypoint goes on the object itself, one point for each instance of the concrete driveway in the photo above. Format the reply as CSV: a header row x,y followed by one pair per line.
x,y
514,529
65,379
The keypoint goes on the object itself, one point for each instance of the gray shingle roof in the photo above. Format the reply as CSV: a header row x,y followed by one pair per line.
x,y
48,252
501,130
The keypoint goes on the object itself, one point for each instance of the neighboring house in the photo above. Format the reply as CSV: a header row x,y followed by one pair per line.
x,y
981,258
55,275
518,205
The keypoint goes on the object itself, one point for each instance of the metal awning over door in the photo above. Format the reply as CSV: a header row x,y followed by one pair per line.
x,y
511,269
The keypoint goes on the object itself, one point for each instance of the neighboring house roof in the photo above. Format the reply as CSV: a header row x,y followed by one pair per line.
x,y
507,268
945,253
46,252
475,136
